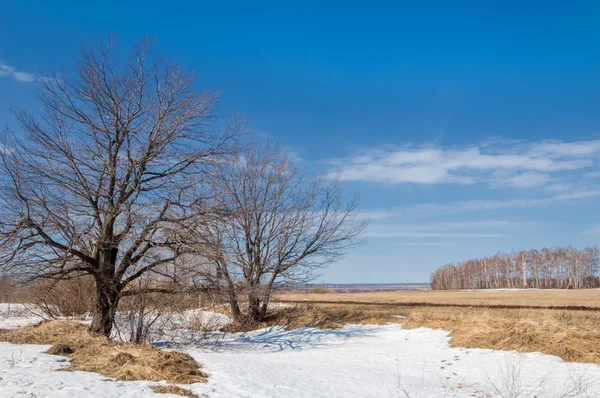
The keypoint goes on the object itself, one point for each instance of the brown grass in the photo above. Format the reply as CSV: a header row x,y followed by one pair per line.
x,y
571,335
581,297
173,389
71,297
330,317
95,353
321,290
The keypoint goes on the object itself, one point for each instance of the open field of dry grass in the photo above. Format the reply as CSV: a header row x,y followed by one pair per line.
x,y
541,298
571,334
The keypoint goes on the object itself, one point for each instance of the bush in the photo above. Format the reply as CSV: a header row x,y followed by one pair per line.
x,y
321,290
73,297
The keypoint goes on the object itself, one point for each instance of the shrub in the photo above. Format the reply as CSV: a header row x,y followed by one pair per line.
x,y
72,297
321,290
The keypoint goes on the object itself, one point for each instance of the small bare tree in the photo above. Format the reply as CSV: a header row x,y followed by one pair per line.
x,y
107,179
278,227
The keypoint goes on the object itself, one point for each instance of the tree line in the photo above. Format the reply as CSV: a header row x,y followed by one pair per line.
x,y
128,176
557,268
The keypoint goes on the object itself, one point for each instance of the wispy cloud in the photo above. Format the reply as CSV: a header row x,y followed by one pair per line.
x,y
11,72
454,235
529,179
469,206
560,187
567,149
594,230
515,164
593,174
453,230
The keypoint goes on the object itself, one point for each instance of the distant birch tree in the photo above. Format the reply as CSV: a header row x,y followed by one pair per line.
x,y
560,268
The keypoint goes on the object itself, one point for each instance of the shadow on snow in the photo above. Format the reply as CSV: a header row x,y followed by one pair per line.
x,y
272,339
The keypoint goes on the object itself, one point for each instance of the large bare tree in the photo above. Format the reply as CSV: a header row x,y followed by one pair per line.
x,y
278,226
106,179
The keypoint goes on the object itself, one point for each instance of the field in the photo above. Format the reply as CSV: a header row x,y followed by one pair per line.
x,y
556,322
527,298
413,344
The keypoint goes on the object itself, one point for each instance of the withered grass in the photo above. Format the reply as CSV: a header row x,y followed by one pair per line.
x,y
95,353
570,335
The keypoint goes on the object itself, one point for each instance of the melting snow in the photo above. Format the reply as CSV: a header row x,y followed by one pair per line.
x,y
354,361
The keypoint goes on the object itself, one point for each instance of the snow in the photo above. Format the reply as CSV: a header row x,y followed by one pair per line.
x,y
25,371
16,316
210,320
517,289
354,361
377,361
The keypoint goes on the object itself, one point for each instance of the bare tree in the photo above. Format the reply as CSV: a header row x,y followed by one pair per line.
x,y
279,227
107,178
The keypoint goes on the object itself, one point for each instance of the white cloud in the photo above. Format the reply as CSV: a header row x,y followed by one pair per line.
x,y
447,226
454,230
529,179
9,71
518,164
594,230
408,234
6,70
23,77
469,206
422,243
559,148
560,187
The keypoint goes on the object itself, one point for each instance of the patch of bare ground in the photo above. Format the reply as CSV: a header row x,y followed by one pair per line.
x,y
95,353
570,335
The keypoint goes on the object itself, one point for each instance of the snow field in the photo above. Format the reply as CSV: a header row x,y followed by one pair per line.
x,y
354,361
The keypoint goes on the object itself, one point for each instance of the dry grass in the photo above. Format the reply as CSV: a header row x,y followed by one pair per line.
x,y
173,389
571,335
321,290
330,317
69,297
587,297
94,353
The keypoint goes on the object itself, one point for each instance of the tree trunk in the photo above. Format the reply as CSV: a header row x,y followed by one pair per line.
x,y
107,293
267,297
231,291
524,270
235,307
107,299
254,312
263,308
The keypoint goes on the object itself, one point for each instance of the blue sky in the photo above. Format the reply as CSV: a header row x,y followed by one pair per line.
x,y
466,127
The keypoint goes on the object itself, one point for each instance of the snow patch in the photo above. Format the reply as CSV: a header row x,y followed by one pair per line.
x,y
25,371
17,315
376,361
353,361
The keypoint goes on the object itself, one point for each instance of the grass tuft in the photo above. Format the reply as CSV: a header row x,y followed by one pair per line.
x,y
173,389
95,353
